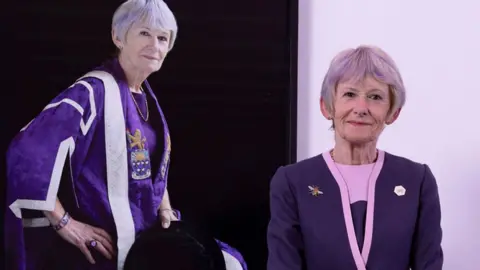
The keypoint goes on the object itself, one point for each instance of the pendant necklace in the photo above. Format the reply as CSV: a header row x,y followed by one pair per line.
x,y
138,108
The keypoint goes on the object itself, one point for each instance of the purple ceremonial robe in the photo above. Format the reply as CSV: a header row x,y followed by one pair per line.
x,y
313,226
108,168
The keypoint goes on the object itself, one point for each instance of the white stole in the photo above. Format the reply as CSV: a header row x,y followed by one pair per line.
x,y
117,166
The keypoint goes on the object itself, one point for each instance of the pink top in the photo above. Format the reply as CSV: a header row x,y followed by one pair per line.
x,y
356,177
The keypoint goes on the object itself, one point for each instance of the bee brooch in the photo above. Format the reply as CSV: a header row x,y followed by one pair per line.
x,y
315,191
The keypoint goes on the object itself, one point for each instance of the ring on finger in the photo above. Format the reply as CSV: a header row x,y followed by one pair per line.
x,y
93,243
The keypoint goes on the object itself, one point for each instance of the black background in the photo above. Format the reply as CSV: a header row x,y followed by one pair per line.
x,y
228,90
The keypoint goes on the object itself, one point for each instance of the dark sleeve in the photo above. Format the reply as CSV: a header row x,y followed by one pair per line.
x,y
284,239
427,252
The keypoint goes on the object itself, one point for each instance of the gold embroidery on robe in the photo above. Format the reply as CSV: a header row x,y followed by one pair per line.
x,y
166,158
139,156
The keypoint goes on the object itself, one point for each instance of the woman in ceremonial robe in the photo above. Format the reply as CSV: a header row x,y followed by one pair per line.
x,y
356,206
89,173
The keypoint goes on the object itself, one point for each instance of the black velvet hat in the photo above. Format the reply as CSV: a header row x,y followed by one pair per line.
x,y
180,247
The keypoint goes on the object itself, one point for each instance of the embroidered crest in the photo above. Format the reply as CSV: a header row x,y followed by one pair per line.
x,y
315,191
139,156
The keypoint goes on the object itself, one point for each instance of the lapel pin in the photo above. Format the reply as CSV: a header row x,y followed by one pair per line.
x,y
399,190
315,191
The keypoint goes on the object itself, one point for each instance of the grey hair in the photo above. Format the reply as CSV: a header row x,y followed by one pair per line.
x,y
155,13
356,64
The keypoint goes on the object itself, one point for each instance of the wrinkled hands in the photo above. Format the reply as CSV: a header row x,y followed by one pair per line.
x,y
86,237
81,235
166,216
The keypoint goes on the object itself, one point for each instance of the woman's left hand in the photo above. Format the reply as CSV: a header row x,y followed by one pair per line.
x,y
167,216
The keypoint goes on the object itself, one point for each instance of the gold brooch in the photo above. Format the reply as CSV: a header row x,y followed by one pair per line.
x,y
315,191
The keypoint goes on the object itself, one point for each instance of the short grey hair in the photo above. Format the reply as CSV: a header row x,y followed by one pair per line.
x,y
155,13
356,64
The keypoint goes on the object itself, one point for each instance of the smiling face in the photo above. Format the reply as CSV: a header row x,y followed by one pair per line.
x,y
144,48
361,110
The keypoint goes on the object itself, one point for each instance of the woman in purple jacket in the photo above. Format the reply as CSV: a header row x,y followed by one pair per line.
x,y
355,206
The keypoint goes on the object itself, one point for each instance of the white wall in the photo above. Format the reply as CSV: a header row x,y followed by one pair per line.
x,y
436,45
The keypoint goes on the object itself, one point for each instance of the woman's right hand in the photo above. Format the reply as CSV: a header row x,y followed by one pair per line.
x,y
81,235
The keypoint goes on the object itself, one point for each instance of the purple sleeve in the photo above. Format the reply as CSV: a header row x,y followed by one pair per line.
x,y
427,252
36,158
283,234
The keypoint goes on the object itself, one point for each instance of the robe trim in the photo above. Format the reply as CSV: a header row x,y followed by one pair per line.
x,y
117,166
360,258
231,263
84,126
35,222
66,147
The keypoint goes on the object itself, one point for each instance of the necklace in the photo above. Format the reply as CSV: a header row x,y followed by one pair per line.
x,y
343,177
374,160
138,108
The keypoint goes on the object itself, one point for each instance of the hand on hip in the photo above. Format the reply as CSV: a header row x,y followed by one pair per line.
x,y
87,237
